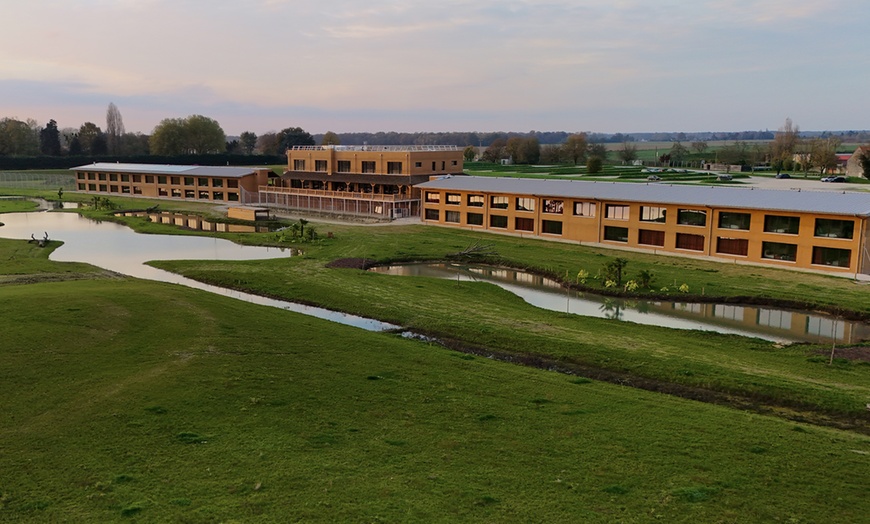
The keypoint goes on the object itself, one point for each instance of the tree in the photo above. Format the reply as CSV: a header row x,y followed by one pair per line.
x,y
628,153
268,144
18,138
195,134
134,144
330,139
824,153
114,129
678,152
864,160
784,144
599,150
574,148
699,146
468,153
88,134
49,139
593,165
168,138
247,142
293,136
75,146
495,151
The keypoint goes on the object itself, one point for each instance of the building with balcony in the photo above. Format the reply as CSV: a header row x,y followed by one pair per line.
x,y
378,181
823,231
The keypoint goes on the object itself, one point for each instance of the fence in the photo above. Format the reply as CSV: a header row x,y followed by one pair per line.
x,y
43,181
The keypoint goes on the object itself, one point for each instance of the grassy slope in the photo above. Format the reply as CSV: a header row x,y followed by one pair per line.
x,y
131,398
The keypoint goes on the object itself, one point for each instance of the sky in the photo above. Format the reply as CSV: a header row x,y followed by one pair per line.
x,y
447,65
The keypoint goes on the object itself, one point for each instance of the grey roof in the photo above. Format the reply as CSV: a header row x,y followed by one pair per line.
x,y
167,169
823,202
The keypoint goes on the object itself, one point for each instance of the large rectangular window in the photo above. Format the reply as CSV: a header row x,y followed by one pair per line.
x,y
782,224
113,177
584,209
175,181
553,206
732,246
829,256
432,214
149,179
616,234
474,219
394,168
651,237
652,214
475,200
320,165
368,166
734,220
525,204
524,224
691,217
433,196
452,216
834,228
161,179
498,202
779,251
217,182
454,199
202,182
690,242
551,227
344,166
299,164
498,221
616,212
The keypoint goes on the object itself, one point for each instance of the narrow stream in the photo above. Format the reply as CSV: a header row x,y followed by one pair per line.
x,y
120,249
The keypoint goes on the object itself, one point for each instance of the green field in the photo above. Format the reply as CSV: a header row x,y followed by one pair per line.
x,y
127,401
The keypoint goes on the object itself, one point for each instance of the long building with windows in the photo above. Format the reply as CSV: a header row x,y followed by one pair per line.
x,y
809,230
377,181
205,183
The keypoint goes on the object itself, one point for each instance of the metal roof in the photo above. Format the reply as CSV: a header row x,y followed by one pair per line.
x,y
822,202
167,169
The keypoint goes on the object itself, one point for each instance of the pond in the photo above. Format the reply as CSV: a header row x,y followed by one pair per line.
x,y
754,321
118,248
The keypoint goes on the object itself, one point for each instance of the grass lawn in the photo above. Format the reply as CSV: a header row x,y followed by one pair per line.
x,y
127,400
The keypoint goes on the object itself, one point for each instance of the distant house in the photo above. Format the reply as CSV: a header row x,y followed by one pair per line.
x,y
853,165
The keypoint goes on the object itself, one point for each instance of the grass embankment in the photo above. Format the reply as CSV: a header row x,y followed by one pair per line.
x,y
479,316
132,399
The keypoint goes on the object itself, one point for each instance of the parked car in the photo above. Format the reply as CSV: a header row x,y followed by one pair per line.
x,y
835,179
783,175
724,176
653,178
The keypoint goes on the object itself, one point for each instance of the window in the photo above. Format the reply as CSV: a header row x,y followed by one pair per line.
x,y
234,184
454,163
475,200
616,212
584,209
176,181
834,228
691,217
690,242
652,214
474,219
781,224
774,318
320,165
233,197
454,199
113,188
218,195
149,179
188,180
433,196
779,251
829,256
418,164
137,190
92,176
92,187
80,176
344,166
732,246
176,193
217,182
551,227
394,168
112,177
553,206
452,216
203,195
102,176
125,178
202,182
616,234
368,166
443,165
734,220
125,190
650,237
299,164
189,193
433,214
433,165
524,224
82,187
161,179
137,178
498,202
525,204
161,191
498,221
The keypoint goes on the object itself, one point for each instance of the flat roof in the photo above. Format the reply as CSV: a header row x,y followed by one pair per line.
x,y
168,169
407,148
823,202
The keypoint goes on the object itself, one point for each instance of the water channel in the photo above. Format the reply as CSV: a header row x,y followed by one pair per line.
x,y
754,321
120,249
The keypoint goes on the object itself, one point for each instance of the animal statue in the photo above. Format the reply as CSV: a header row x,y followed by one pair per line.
x,y
41,242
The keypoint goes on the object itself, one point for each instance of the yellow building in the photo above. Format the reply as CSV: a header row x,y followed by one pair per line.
x,y
810,230
230,184
359,180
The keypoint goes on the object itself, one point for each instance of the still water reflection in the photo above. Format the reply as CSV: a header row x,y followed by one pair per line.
x,y
118,248
754,321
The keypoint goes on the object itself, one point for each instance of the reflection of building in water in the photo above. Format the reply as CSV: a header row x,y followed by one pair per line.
x,y
197,222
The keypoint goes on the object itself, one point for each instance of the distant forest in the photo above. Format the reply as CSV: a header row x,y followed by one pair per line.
x,y
558,137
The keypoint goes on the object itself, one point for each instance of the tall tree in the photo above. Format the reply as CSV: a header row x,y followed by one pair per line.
x,y
628,153
294,136
268,144
168,138
784,145
204,135
49,139
18,138
495,151
599,150
574,148
88,133
699,146
678,152
114,129
247,142
330,139
468,153
824,153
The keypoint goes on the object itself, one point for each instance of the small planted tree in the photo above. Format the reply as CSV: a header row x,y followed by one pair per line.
x,y
613,270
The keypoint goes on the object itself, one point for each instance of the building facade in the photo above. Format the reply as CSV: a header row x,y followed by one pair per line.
x,y
359,180
810,230
204,183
